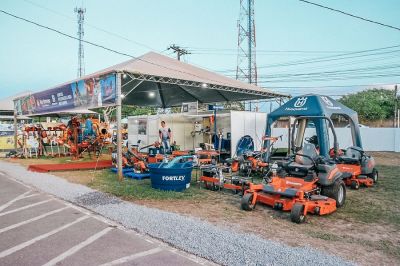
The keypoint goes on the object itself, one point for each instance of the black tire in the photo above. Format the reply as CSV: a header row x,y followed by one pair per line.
x,y
336,191
354,184
246,202
374,175
297,213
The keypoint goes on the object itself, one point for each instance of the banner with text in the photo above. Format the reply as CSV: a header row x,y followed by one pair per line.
x,y
83,94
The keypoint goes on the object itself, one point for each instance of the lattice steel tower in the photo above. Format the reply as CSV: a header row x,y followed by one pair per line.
x,y
81,17
246,69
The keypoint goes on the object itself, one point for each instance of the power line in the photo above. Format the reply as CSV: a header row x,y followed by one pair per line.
x,y
351,15
331,86
92,26
333,78
343,56
106,48
342,71
198,49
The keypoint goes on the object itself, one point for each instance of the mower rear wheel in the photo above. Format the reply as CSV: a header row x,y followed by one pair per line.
x,y
374,175
297,213
247,202
354,184
336,191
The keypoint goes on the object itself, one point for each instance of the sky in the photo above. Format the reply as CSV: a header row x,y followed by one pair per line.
x,y
287,32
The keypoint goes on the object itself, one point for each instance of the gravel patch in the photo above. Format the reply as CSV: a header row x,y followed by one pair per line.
x,y
189,234
96,198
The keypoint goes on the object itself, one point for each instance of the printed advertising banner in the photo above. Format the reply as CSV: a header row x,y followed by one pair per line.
x,y
84,94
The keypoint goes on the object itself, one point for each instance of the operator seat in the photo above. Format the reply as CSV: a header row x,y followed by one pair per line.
x,y
351,156
301,164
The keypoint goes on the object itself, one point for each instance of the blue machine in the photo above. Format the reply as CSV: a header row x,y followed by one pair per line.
x,y
174,175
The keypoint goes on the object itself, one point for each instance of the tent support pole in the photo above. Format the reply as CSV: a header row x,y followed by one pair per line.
x,y
119,125
161,94
15,130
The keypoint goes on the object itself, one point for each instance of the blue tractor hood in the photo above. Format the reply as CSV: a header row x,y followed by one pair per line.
x,y
316,105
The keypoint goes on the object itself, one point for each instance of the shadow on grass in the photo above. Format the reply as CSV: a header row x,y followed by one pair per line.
x,y
140,189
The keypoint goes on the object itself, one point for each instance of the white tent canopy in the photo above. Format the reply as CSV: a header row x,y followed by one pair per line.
x,y
157,80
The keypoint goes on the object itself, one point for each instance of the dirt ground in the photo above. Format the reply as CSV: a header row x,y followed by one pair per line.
x,y
364,239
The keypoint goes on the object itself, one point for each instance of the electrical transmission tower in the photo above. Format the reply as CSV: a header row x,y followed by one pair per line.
x,y
178,50
81,17
246,69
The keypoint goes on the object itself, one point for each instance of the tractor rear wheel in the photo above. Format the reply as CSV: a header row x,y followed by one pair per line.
x,y
297,213
374,175
247,202
336,191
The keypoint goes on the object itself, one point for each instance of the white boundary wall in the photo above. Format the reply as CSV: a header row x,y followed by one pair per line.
x,y
373,139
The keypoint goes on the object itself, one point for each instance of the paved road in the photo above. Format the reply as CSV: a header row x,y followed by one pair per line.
x,y
38,229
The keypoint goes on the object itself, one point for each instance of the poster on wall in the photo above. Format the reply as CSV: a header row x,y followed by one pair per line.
x,y
6,136
142,129
83,94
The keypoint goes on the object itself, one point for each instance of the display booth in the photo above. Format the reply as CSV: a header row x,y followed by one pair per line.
x,y
194,131
150,80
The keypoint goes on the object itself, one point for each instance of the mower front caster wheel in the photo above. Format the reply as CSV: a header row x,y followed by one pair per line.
x,y
374,175
247,202
297,213
354,184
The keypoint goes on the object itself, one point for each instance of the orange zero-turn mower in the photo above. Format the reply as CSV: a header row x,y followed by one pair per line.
x,y
253,161
306,184
357,167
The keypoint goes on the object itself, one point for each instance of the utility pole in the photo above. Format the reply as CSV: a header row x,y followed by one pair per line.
x,y
178,50
81,17
246,69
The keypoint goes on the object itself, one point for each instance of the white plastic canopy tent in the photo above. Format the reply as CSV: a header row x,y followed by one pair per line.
x,y
160,81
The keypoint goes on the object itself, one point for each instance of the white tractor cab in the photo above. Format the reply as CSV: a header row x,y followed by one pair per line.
x,y
310,122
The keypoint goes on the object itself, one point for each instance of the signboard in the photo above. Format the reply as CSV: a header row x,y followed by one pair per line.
x,y
190,107
83,94
213,107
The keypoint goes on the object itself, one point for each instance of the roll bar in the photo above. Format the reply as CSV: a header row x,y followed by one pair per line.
x,y
335,142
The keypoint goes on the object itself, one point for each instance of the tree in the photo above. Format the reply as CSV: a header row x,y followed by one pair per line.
x,y
373,104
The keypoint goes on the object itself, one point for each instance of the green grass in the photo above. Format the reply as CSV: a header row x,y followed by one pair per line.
x,y
141,189
378,204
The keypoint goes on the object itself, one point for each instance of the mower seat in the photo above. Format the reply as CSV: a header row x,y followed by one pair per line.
x,y
302,165
351,156
289,192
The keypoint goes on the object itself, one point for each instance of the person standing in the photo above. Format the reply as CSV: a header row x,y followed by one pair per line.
x,y
165,136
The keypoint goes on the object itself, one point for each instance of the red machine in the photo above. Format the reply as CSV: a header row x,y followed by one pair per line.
x,y
214,179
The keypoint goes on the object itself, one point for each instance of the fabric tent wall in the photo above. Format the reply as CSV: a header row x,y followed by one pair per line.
x,y
180,125
238,123
247,123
